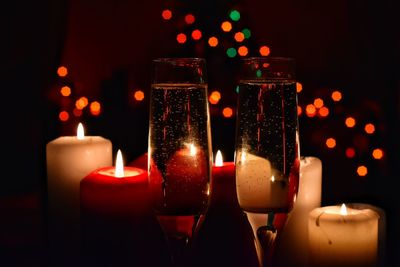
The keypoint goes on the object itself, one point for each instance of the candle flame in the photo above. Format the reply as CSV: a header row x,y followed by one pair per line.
x,y
343,209
193,150
119,165
80,134
272,178
218,159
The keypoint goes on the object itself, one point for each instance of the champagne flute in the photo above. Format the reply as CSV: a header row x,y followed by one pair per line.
x,y
179,151
267,147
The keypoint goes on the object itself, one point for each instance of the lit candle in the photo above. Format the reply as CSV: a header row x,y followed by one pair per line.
x,y
115,211
294,235
69,160
261,188
120,191
223,185
342,236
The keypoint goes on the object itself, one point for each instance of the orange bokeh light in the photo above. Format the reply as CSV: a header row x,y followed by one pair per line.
x,y
190,19
226,26
239,37
63,116
323,112
350,122
318,103
336,96
213,41
264,50
81,103
330,142
214,97
138,95
350,152
362,170
310,110
243,51
62,71
95,108
65,91
196,34
377,153
166,14
369,128
299,87
181,38
227,112
299,110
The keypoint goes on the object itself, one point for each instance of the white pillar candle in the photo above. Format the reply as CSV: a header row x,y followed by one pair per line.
x,y
294,236
69,160
258,187
340,236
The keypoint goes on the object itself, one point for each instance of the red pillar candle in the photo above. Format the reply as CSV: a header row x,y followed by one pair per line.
x,y
223,182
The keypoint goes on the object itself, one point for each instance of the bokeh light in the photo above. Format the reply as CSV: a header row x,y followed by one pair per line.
x,y
138,95
181,38
318,103
323,112
226,26
234,15
239,37
227,112
214,97
166,14
65,91
369,128
95,108
63,115
81,103
299,110
213,41
62,71
299,87
243,51
190,19
336,96
310,110
362,170
330,142
350,152
264,50
231,52
377,153
247,33
196,34
350,122
77,112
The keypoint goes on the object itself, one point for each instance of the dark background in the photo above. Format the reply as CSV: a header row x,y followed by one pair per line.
x,y
108,46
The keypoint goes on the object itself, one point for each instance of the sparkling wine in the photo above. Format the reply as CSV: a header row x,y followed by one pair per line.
x,y
267,150
179,149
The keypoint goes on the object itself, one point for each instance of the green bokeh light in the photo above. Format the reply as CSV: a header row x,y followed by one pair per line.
x,y
231,52
247,33
234,15
259,73
237,89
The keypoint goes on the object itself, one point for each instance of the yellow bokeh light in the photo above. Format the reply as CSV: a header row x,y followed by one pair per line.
x,y
65,91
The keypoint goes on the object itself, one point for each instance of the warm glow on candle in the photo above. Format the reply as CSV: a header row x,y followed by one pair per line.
x,y
80,132
119,165
343,209
218,159
193,150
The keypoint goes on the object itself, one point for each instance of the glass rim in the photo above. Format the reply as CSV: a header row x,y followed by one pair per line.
x,y
179,59
287,59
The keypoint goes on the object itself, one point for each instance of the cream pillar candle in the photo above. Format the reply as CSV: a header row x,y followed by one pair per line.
x,y
69,160
259,187
340,236
294,236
